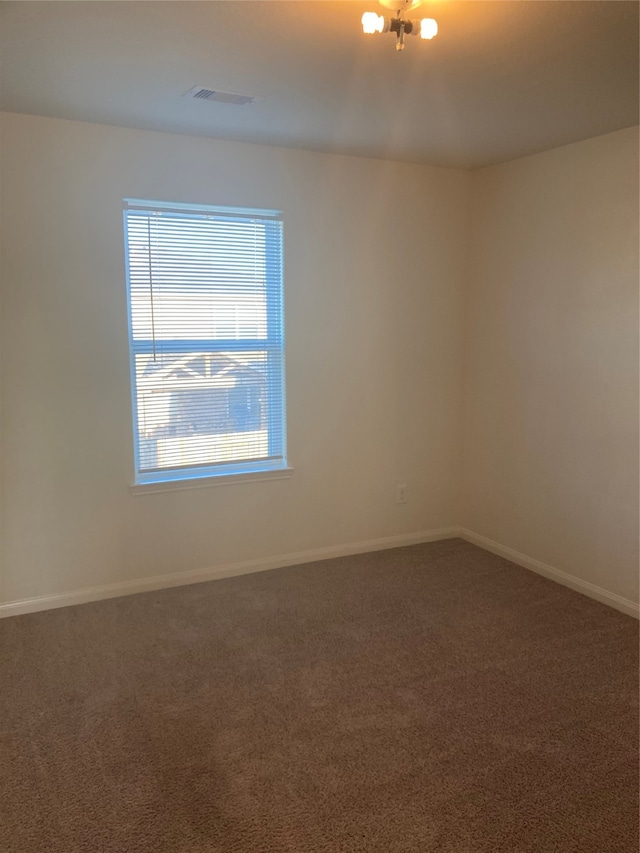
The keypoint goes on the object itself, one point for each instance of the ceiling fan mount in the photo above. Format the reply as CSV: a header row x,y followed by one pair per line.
x,y
400,5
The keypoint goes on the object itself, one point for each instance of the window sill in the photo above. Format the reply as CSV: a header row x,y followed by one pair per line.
x,y
207,482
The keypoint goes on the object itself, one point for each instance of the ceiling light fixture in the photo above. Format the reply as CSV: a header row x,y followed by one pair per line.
x,y
427,28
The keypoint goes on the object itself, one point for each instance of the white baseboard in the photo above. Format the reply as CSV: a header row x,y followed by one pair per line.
x,y
98,593
631,608
114,590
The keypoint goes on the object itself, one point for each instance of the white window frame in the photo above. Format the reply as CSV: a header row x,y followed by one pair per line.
x,y
276,464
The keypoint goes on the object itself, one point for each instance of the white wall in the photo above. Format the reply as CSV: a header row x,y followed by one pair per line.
x,y
388,297
374,265
550,462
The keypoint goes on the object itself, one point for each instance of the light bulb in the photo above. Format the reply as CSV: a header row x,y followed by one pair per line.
x,y
372,23
428,28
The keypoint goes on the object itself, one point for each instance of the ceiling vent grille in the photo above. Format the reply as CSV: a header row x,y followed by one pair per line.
x,y
203,93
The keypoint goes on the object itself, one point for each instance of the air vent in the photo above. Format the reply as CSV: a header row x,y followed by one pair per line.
x,y
202,93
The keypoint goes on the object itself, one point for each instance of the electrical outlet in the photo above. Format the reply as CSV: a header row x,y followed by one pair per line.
x,y
401,493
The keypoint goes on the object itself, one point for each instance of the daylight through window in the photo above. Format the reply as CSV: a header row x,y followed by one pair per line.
x,y
206,340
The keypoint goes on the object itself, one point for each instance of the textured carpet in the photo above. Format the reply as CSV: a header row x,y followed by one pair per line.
x,y
430,698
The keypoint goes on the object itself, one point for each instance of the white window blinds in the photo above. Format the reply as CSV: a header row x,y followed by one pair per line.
x,y
206,340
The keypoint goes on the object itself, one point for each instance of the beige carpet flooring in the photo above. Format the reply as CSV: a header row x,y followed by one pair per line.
x,y
430,698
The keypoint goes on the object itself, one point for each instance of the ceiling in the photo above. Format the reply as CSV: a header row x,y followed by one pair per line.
x,y
500,81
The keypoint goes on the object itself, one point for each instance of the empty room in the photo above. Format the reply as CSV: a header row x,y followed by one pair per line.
x,y
319,447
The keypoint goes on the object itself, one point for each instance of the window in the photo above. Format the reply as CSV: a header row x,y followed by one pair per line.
x,y
206,340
